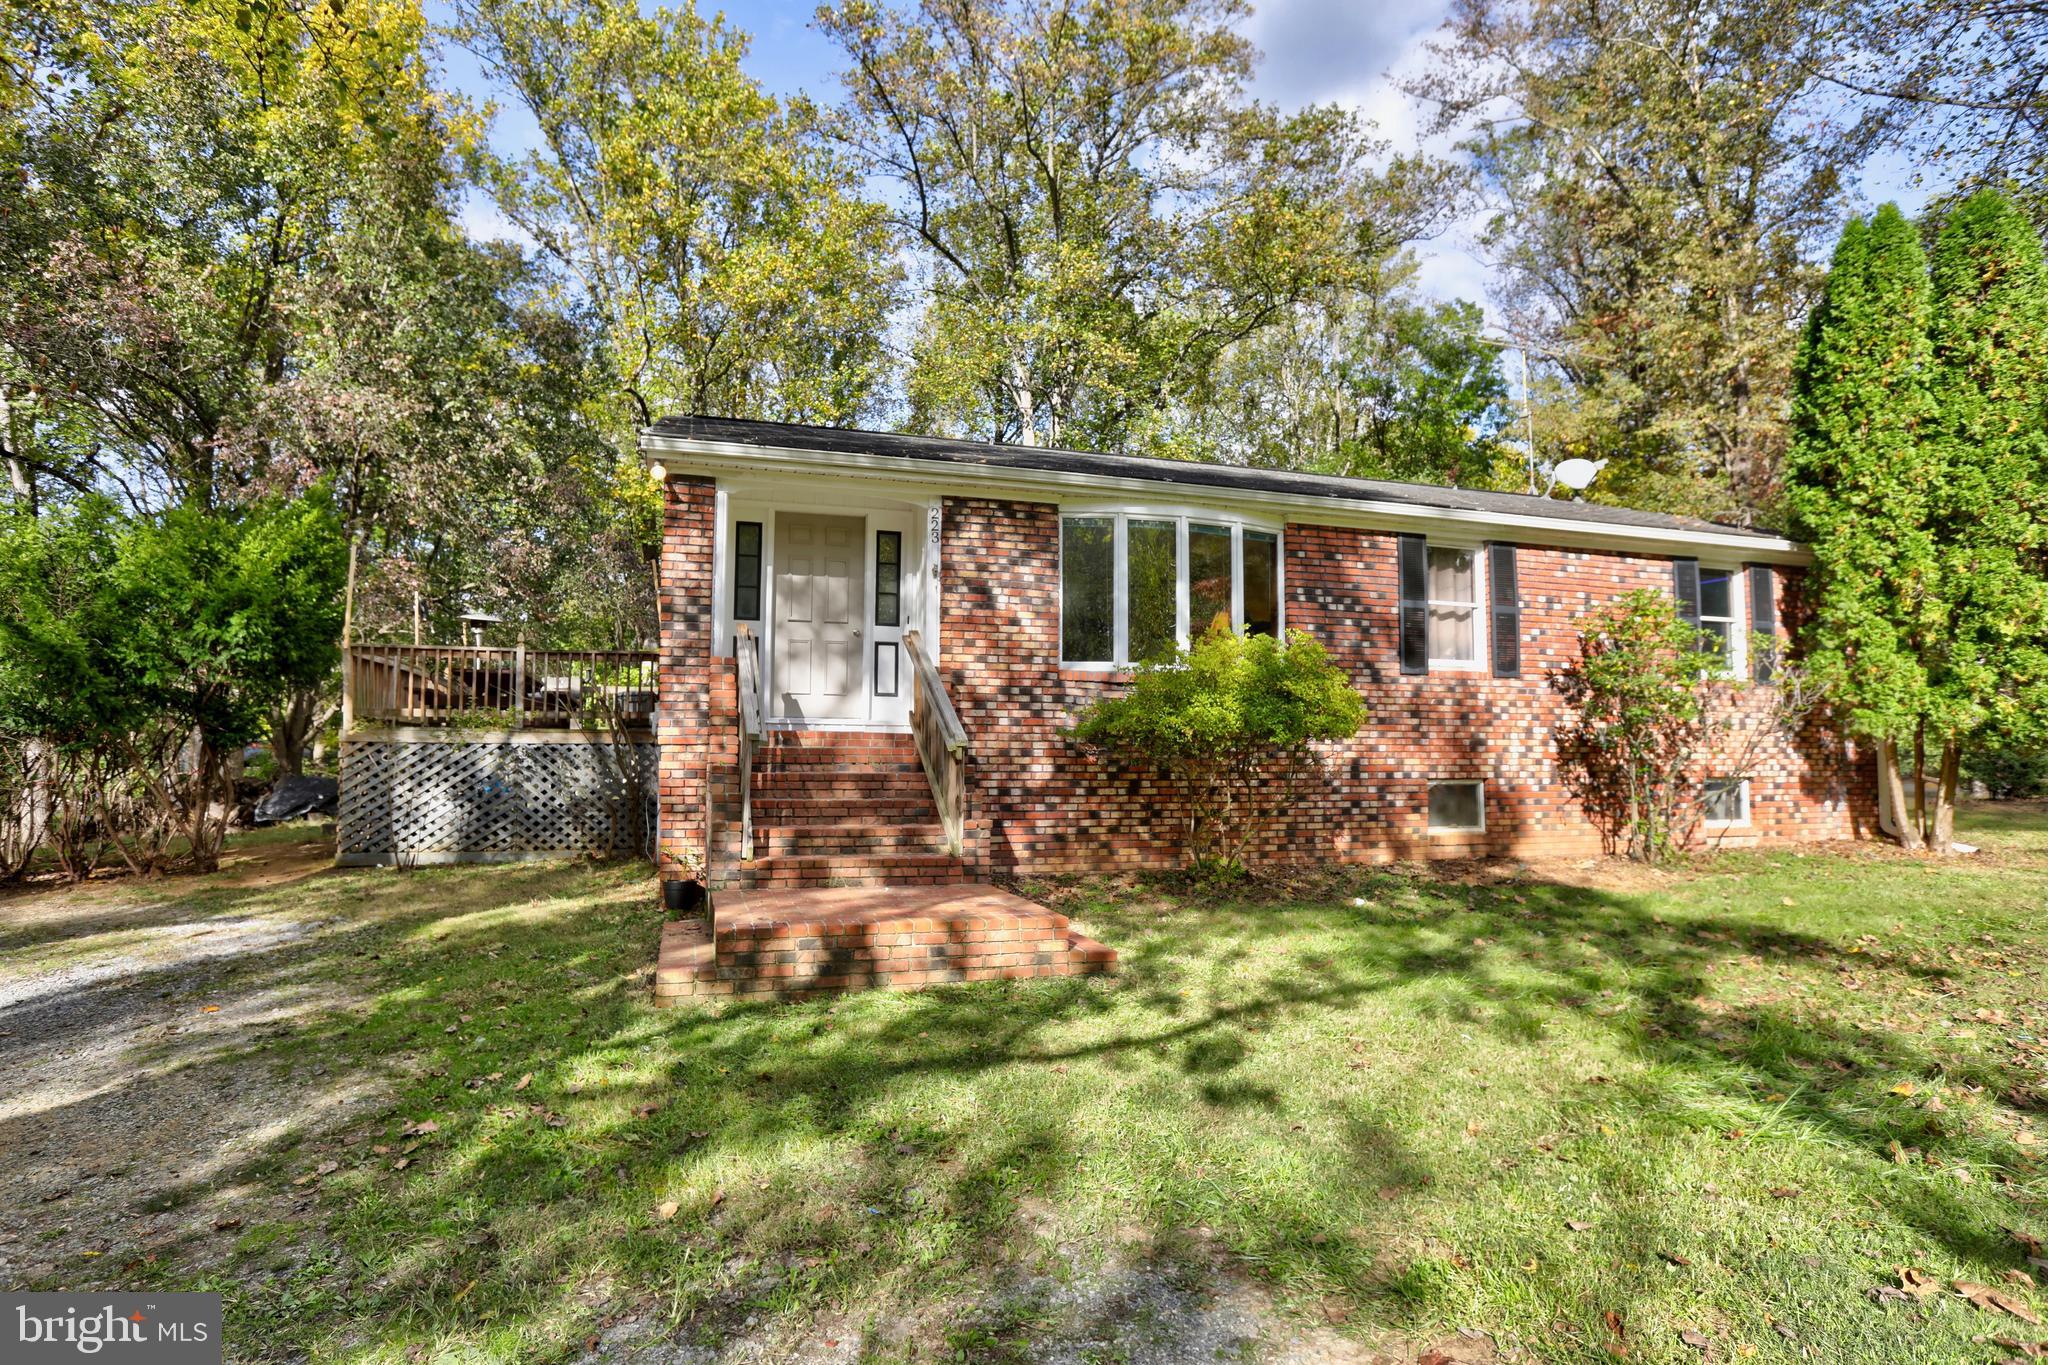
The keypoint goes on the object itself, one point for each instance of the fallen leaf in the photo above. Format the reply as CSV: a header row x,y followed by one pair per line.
x,y
1918,1283
1695,1339
1905,1088
1785,1192
327,1168
523,1081
646,1110
209,1009
1575,1225
667,1210
227,1225
1984,1296
420,1129
2017,1277
1675,1258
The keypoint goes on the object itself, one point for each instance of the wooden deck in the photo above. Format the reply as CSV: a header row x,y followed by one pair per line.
x,y
791,944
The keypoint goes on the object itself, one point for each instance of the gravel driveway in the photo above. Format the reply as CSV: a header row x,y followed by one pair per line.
x,y
127,1010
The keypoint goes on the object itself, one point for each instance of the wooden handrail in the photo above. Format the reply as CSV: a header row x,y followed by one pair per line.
x,y
746,651
941,741
498,687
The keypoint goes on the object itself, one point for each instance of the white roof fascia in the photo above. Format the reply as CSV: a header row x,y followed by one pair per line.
x,y
690,455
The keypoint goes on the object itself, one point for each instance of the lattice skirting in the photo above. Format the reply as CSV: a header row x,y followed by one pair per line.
x,y
412,802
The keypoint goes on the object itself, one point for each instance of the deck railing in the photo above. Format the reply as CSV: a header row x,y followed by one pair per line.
x,y
498,687
941,741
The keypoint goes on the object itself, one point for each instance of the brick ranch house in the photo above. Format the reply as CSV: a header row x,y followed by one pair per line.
x,y
872,646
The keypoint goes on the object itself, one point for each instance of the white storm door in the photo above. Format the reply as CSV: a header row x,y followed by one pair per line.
x,y
820,606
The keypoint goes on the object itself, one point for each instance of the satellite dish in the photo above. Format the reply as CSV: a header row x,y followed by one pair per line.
x,y
1576,474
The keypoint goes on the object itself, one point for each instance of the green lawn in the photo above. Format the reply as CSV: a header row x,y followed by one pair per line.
x,y
1728,1101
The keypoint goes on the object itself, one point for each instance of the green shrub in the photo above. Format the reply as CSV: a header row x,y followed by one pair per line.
x,y
1642,697
1232,722
2008,768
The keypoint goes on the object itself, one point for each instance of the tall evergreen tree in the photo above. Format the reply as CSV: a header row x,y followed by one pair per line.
x,y
1989,663
1859,481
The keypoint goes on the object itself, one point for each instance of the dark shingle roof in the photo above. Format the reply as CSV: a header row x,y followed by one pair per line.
x,y
1189,473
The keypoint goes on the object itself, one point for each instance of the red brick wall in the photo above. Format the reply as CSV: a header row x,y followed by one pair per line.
x,y
684,720
1051,806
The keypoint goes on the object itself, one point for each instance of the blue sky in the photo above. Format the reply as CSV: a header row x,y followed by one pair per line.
x,y
1314,51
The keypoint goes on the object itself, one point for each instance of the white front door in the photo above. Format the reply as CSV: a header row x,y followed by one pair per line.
x,y
820,605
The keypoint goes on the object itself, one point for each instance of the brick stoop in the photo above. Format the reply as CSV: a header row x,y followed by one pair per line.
x,y
794,944
843,808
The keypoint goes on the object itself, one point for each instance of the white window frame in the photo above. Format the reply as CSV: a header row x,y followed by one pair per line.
x,y
1120,517
1742,793
1735,662
1482,618
1434,783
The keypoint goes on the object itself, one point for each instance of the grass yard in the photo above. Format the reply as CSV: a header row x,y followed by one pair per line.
x,y
430,1115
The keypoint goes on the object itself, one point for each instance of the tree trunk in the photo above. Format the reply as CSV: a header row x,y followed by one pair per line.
x,y
1920,780
199,826
1944,837
1893,796
294,725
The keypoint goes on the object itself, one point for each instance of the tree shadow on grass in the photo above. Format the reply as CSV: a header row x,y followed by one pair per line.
x,y
705,1167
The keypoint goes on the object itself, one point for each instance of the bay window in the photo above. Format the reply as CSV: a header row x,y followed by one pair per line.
x,y
1087,588
1133,586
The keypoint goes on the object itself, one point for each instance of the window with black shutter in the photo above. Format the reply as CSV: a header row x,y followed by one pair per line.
x,y
1685,588
1412,553
1507,611
1763,623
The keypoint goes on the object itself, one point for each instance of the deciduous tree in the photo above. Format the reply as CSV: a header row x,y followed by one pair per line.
x,y
729,261
1096,208
1659,173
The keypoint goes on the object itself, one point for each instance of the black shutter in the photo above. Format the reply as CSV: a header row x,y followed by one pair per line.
x,y
1685,588
1763,623
1414,583
1507,611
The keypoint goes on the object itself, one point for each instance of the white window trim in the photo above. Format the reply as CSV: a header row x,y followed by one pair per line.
x,y
1120,516
1478,782
1740,822
1736,664
1482,617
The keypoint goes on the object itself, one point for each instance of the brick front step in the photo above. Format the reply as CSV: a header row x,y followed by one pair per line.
x,y
790,945
832,810
847,835
864,783
848,869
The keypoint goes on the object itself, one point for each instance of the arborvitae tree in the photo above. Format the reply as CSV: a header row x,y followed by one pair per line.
x,y
1859,482
1988,665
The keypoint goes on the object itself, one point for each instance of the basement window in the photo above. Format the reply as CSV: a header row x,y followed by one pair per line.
x,y
1457,807
1724,801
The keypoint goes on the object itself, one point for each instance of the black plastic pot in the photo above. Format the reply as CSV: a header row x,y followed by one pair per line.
x,y
683,898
